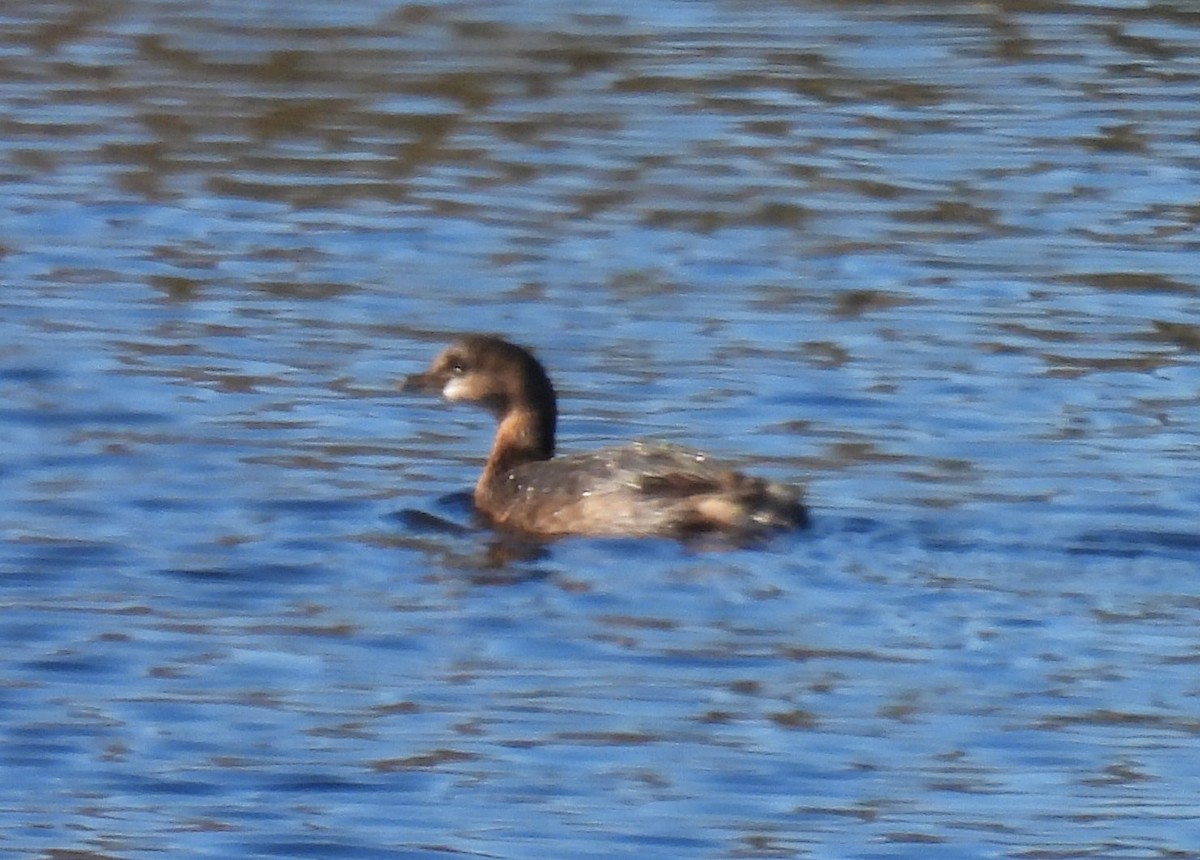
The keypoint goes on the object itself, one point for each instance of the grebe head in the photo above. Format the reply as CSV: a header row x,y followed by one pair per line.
x,y
488,370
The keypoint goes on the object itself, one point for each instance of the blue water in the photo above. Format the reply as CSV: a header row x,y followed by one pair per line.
x,y
936,262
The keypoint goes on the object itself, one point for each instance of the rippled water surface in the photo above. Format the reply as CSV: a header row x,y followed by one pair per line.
x,y
937,261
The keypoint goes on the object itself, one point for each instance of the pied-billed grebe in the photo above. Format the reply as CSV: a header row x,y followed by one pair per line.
x,y
637,489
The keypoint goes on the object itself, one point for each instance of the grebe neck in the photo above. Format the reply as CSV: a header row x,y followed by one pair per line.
x,y
523,436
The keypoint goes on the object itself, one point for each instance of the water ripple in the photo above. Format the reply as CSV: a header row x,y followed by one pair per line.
x,y
936,262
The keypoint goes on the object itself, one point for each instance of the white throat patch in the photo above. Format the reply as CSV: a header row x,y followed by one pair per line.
x,y
455,389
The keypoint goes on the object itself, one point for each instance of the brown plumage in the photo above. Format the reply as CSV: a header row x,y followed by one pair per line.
x,y
637,489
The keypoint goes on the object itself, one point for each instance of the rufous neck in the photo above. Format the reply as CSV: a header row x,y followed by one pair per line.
x,y
522,437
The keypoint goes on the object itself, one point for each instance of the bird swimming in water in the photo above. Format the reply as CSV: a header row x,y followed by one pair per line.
x,y
638,489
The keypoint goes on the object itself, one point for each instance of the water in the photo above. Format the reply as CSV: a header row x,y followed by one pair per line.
x,y
936,261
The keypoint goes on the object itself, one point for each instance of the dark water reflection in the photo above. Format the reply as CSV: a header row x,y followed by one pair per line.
x,y
937,260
